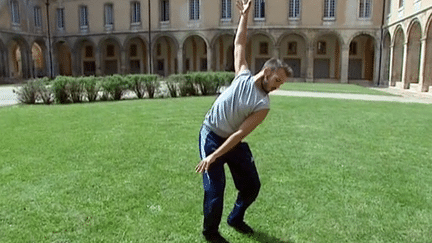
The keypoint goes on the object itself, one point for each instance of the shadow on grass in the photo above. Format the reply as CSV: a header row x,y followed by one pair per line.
x,y
265,238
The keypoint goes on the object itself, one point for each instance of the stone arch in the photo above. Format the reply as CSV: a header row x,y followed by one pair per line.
x,y
293,51
223,46
86,51
386,58
362,57
136,54
261,47
195,53
19,58
110,56
165,55
63,57
427,78
327,56
289,33
191,34
3,61
40,58
413,53
398,55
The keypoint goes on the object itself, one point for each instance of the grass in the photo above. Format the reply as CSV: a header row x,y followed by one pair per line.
x,y
331,171
332,88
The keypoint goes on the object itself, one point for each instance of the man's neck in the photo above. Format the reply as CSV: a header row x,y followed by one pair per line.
x,y
259,82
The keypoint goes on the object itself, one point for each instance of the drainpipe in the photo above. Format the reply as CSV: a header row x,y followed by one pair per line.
x,y
150,42
382,42
49,40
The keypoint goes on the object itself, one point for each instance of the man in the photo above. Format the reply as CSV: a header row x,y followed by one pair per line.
x,y
235,113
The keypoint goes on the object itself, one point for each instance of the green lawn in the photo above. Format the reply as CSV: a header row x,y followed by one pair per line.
x,y
331,171
332,88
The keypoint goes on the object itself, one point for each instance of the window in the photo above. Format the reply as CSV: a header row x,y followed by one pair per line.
x,y
159,49
37,12
110,50
294,9
329,9
60,18
389,3
263,48
83,17
321,48
133,50
259,9
164,11
401,3
365,9
194,13
226,9
353,48
136,12
15,12
292,48
89,51
109,18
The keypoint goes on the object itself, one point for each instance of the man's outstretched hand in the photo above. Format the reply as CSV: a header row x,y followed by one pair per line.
x,y
244,6
204,164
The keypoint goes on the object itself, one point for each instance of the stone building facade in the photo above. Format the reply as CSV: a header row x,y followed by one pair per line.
x,y
342,41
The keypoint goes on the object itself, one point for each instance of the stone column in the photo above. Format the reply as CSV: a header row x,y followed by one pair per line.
x,y
180,54
344,63
123,61
74,63
376,68
391,81
404,66
422,65
276,52
209,58
98,62
310,64
30,66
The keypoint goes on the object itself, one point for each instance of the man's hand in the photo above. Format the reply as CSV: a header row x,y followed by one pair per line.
x,y
244,6
204,164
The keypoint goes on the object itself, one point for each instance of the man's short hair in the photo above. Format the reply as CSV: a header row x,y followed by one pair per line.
x,y
275,63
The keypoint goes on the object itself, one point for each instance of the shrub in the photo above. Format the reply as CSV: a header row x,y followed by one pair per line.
x,y
27,93
225,78
44,91
114,87
173,82
60,89
151,84
187,85
91,87
136,84
207,82
76,89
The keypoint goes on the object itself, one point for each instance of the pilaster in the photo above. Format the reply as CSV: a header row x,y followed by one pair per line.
x,y
310,64
423,88
345,63
404,66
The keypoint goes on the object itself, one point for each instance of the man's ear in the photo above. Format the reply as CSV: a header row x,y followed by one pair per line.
x,y
267,71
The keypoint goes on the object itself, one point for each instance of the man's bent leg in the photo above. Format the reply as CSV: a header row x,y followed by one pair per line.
x,y
213,182
214,186
246,179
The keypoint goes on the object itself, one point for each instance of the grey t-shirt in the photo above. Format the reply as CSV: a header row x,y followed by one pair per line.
x,y
235,104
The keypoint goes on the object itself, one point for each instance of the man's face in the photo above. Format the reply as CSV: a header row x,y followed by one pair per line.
x,y
275,79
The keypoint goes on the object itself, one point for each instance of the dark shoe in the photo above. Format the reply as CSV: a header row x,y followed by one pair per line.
x,y
214,237
242,228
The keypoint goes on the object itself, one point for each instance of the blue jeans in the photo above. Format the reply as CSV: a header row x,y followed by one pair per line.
x,y
244,173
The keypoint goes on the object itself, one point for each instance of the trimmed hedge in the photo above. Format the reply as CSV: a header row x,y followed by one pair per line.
x,y
65,89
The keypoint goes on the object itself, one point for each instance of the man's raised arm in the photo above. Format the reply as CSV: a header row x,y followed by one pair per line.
x,y
240,41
